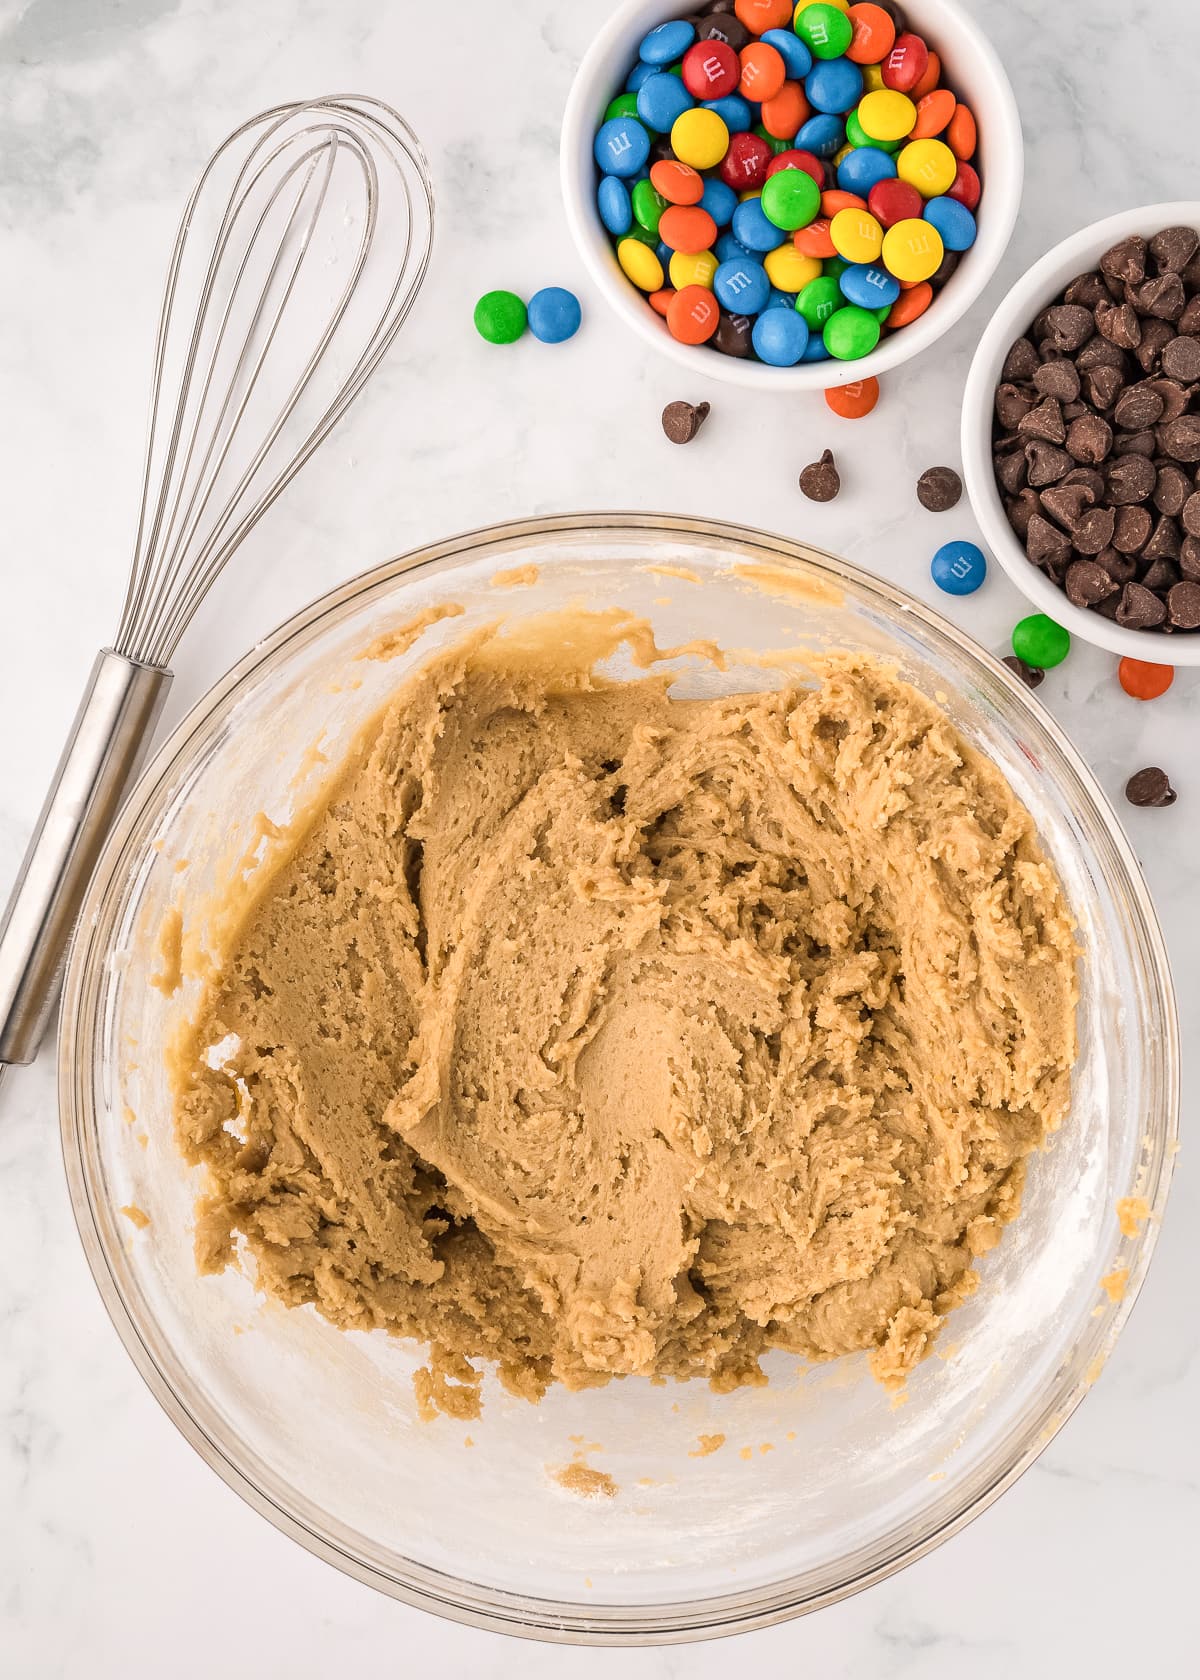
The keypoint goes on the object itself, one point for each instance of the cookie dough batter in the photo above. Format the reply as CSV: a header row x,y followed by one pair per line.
x,y
585,1031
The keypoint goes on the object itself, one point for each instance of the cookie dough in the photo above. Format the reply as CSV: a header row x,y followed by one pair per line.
x,y
584,1031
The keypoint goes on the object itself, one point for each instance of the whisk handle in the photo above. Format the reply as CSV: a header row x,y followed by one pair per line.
x,y
108,741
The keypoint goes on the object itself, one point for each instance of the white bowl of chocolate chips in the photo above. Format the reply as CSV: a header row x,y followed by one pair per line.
x,y
1081,433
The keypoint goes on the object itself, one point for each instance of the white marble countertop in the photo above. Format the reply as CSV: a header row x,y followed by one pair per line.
x,y
120,1553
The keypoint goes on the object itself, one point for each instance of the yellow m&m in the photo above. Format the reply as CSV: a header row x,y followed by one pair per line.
x,y
928,165
641,265
872,75
887,115
857,236
913,250
699,137
693,269
790,270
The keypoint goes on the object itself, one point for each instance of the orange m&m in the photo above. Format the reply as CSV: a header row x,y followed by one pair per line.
x,y
693,315
1144,681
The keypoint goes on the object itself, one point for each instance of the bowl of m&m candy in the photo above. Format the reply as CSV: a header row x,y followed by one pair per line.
x,y
803,194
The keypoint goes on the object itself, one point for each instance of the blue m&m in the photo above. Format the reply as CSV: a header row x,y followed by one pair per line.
x,y
622,147
959,568
742,286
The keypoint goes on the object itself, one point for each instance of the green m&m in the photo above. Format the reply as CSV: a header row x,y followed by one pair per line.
x,y
1040,642
790,199
648,206
818,301
500,317
851,333
825,30
624,105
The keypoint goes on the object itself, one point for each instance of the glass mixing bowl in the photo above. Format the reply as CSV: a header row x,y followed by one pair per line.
x,y
822,1487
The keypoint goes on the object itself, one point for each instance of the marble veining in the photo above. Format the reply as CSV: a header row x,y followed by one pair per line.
x,y
120,1553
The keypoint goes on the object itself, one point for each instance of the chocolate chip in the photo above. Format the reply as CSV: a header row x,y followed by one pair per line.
x,y
1180,439
1189,321
1159,576
1139,608
1094,530
733,335
1022,362
1031,675
1086,583
939,488
1012,470
1126,262
1045,544
1190,513
1102,386
1180,359
1165,541
1189,559
1089,440
1012,405
1175,397
1119,323
1132,530
1139,406
1172,491
1058,379
1162,298
1089,476
1074,410
1087,289
1150,787
1045,422
1100,353
1021,511
682,420
1121,568
1130,479
1183,604
1155,336
1046,463
1068,503
820,480
1174,248
1069,326
1136,443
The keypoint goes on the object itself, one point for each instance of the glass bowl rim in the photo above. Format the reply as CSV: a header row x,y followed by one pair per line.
x,y
458,1599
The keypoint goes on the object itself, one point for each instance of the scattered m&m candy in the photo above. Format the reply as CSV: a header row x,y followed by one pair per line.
x,y
801,144
959,568
1040,642
1143,680
553,314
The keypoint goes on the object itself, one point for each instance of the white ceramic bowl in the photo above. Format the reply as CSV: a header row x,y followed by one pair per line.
x,y
971,67
1039,287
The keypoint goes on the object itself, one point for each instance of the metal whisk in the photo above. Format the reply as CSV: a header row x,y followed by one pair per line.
x,y
299,255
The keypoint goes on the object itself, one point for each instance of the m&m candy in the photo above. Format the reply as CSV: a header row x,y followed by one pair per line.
x,y
959,568
500,317
1143,680
803,162
1040,642
855,400
554,315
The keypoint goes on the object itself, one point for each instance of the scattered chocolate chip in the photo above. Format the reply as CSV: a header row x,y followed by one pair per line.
x,y
1183,605
1162,298
1045,422
1047,464
1180,439
1088,439
1174,248
1012,405
1021,363
1139,406
939,489
1150,787
1058,379
1132,530
1139,608
1069,326
1087,583
1130,479
1126,262
1031,675
682,420
733,335
1180,359
1119,323
820,480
